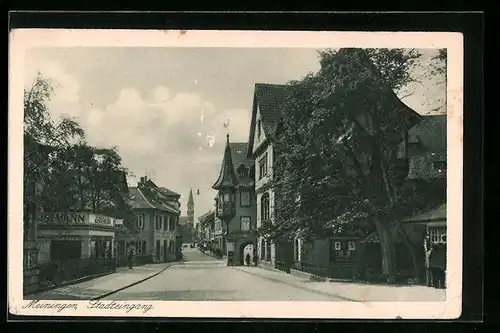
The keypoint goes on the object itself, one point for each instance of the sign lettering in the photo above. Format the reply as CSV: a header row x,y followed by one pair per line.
x,y
62,218
101,219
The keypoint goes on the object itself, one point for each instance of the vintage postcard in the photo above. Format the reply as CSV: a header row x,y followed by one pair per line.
x,y
235,174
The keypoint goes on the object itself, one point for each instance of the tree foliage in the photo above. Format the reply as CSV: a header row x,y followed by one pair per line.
x,y
75,175
337,147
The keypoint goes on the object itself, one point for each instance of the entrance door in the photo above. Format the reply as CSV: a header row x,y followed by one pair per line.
x,y
284,255
246,248
158,250
165,251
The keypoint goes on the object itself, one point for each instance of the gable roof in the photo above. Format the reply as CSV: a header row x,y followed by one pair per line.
x,y
235,155
430,133
436,214
146,198
163,190
268,99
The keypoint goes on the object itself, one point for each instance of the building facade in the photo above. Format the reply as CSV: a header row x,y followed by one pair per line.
x,y
203,228
235,223
266,112
155,233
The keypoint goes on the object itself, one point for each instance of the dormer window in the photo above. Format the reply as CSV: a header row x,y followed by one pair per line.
x,y
242,171
440,166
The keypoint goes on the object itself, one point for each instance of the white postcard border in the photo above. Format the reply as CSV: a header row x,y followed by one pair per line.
x,y
23,39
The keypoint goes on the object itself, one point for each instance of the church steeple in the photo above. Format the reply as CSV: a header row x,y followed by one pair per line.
x,y
190,207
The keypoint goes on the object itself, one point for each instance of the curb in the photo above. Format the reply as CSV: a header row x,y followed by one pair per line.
x,y
211,255
69,283
300,287
135,283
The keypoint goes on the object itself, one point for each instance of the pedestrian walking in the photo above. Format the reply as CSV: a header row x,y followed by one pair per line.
x,y
248,259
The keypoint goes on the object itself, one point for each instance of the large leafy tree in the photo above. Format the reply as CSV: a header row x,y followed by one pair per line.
x,y
76,175
336,148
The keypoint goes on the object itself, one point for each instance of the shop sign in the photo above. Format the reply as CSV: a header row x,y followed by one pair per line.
x,y
64,218
101,219
75,218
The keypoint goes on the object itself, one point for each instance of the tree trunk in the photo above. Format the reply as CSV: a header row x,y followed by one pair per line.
x,y
387,251
413,251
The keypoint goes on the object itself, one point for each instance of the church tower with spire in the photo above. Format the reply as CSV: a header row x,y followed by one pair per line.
x,y
190,208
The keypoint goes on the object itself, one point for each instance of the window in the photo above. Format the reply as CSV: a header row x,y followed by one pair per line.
x,y
437,235
264,207
140,221
245,223
227,197
263,167
65,249
259,129
440,166
262,249
121,247
166,222
242,171
157,222
245,199
343,250
268,250
297,250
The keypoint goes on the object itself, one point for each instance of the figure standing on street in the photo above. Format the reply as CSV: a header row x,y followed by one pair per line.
x,y
429,278
247,259
131,258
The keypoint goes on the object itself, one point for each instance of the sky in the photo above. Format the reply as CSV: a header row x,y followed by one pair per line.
x,y
159,106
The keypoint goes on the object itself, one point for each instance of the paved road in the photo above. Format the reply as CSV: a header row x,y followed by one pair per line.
x,y
204,278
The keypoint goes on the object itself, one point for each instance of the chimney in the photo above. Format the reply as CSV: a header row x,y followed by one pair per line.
x,y
141,182
145,178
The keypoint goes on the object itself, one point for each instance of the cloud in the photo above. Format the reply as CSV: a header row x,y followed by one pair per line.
x,y
64,100
165,132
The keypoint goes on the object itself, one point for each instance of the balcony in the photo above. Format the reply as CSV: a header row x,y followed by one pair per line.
x,y
226,210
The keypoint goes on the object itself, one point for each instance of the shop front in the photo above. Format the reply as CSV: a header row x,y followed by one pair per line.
x,y
76,244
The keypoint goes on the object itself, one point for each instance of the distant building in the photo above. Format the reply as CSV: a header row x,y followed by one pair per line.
x,y
186,223
235,215
155,233
204,230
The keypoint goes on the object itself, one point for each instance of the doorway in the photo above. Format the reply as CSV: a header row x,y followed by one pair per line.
x,y
165,251
247,249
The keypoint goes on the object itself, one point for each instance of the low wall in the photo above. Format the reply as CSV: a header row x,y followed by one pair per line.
x,y
57,272
344,271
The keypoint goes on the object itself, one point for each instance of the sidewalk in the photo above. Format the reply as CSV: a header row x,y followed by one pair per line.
x,y
351,291
101,286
